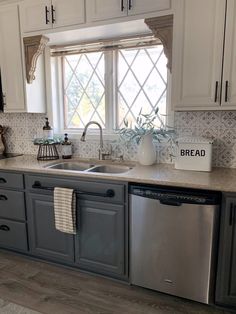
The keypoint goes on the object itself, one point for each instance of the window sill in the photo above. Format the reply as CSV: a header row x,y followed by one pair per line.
x,y
91,135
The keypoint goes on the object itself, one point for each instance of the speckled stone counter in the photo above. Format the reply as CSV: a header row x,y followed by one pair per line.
x,y
220,179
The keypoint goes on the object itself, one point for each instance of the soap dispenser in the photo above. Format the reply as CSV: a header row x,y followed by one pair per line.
x,y
66,148
47,131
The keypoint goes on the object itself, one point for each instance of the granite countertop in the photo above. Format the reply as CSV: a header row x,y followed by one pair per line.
x,y
220,179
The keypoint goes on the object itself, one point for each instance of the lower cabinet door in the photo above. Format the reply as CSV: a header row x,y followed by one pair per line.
x,y
13,235
44,240
100,243
226,276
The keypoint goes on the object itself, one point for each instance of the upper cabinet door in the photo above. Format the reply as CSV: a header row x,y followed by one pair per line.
x,y
35,15
67,13
147,6
98,10
197,53
10,59
229,74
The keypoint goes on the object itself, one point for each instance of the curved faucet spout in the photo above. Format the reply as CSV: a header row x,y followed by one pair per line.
x,y
85,131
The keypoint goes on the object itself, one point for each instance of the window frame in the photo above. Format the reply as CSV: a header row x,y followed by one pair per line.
x,y
56,112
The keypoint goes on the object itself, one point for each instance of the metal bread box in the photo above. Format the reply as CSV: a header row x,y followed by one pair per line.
x,y
194,154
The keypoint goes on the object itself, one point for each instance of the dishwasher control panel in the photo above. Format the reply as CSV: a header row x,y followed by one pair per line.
x,y
181,196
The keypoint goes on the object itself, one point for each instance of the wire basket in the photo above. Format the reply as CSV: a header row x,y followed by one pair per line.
x,y
47,152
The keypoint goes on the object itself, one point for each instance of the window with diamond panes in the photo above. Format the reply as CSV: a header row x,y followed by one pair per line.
x,y
84,89
142,83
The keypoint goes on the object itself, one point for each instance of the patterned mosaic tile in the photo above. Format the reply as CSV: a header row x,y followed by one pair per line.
x,y
220,126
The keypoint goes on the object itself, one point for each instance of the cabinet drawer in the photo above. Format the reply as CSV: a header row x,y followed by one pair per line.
x,y
12,204
11,180
84,186
13,235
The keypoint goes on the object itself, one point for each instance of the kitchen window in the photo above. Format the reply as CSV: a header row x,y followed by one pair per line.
x,y
111,84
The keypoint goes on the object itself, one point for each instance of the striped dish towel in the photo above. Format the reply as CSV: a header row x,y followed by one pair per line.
x,y
65,210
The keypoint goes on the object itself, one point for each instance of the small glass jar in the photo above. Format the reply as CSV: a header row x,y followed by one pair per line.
x,y
66,148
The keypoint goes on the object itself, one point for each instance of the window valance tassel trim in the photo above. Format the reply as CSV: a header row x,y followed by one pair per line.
x,y
162,28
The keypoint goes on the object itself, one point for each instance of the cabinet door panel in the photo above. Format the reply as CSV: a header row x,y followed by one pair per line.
x,y
100,241
229,74
10,59
98,10
226,275
33,15
148,6
70,12
197,53
45,240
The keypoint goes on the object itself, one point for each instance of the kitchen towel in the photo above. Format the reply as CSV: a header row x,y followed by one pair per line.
x,y
65,210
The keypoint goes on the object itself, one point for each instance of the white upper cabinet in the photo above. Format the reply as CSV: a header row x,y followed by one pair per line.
x,y
197,54
35,15
38,15
229,66
68,12
99,10
204,50
11,60
148,6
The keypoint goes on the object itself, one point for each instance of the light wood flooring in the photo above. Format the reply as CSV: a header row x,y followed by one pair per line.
x,y
51,289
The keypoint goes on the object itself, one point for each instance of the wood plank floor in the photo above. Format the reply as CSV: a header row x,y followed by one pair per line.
x,y
52,289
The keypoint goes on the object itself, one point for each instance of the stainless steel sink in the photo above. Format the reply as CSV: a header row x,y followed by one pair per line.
x,y
72,166
88,167
110,169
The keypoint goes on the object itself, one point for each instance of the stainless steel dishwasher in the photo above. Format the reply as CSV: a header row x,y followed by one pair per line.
x,y
173,240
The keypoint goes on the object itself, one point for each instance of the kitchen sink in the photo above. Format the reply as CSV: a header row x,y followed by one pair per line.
x,y
72,166
88,167
110,169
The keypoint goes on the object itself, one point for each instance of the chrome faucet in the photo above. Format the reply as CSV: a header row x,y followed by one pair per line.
x,y
102,153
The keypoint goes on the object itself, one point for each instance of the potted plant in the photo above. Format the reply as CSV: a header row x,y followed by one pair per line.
x,y
144,132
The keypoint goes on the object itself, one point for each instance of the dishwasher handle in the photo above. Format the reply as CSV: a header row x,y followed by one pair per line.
x,y
170,202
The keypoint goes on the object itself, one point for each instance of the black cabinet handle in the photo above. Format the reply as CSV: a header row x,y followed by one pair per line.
x,y
130,4
4,228
3,198
226,90
216,91
2,180
108,193
122,5
53,14
46,15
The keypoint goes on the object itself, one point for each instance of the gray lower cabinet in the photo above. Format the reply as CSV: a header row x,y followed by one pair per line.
x,y
44,240
100,243
13,226
226,276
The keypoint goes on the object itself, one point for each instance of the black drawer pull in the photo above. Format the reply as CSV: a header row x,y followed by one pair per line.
x,y
108,193
2,180
130,4
226,90
53,14
4,228
122,5
216,91
3,198
46,15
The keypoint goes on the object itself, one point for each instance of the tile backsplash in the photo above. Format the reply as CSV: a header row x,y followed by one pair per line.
x,y
218,125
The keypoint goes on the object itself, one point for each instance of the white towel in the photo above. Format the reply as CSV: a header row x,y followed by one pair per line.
x,y
65,210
